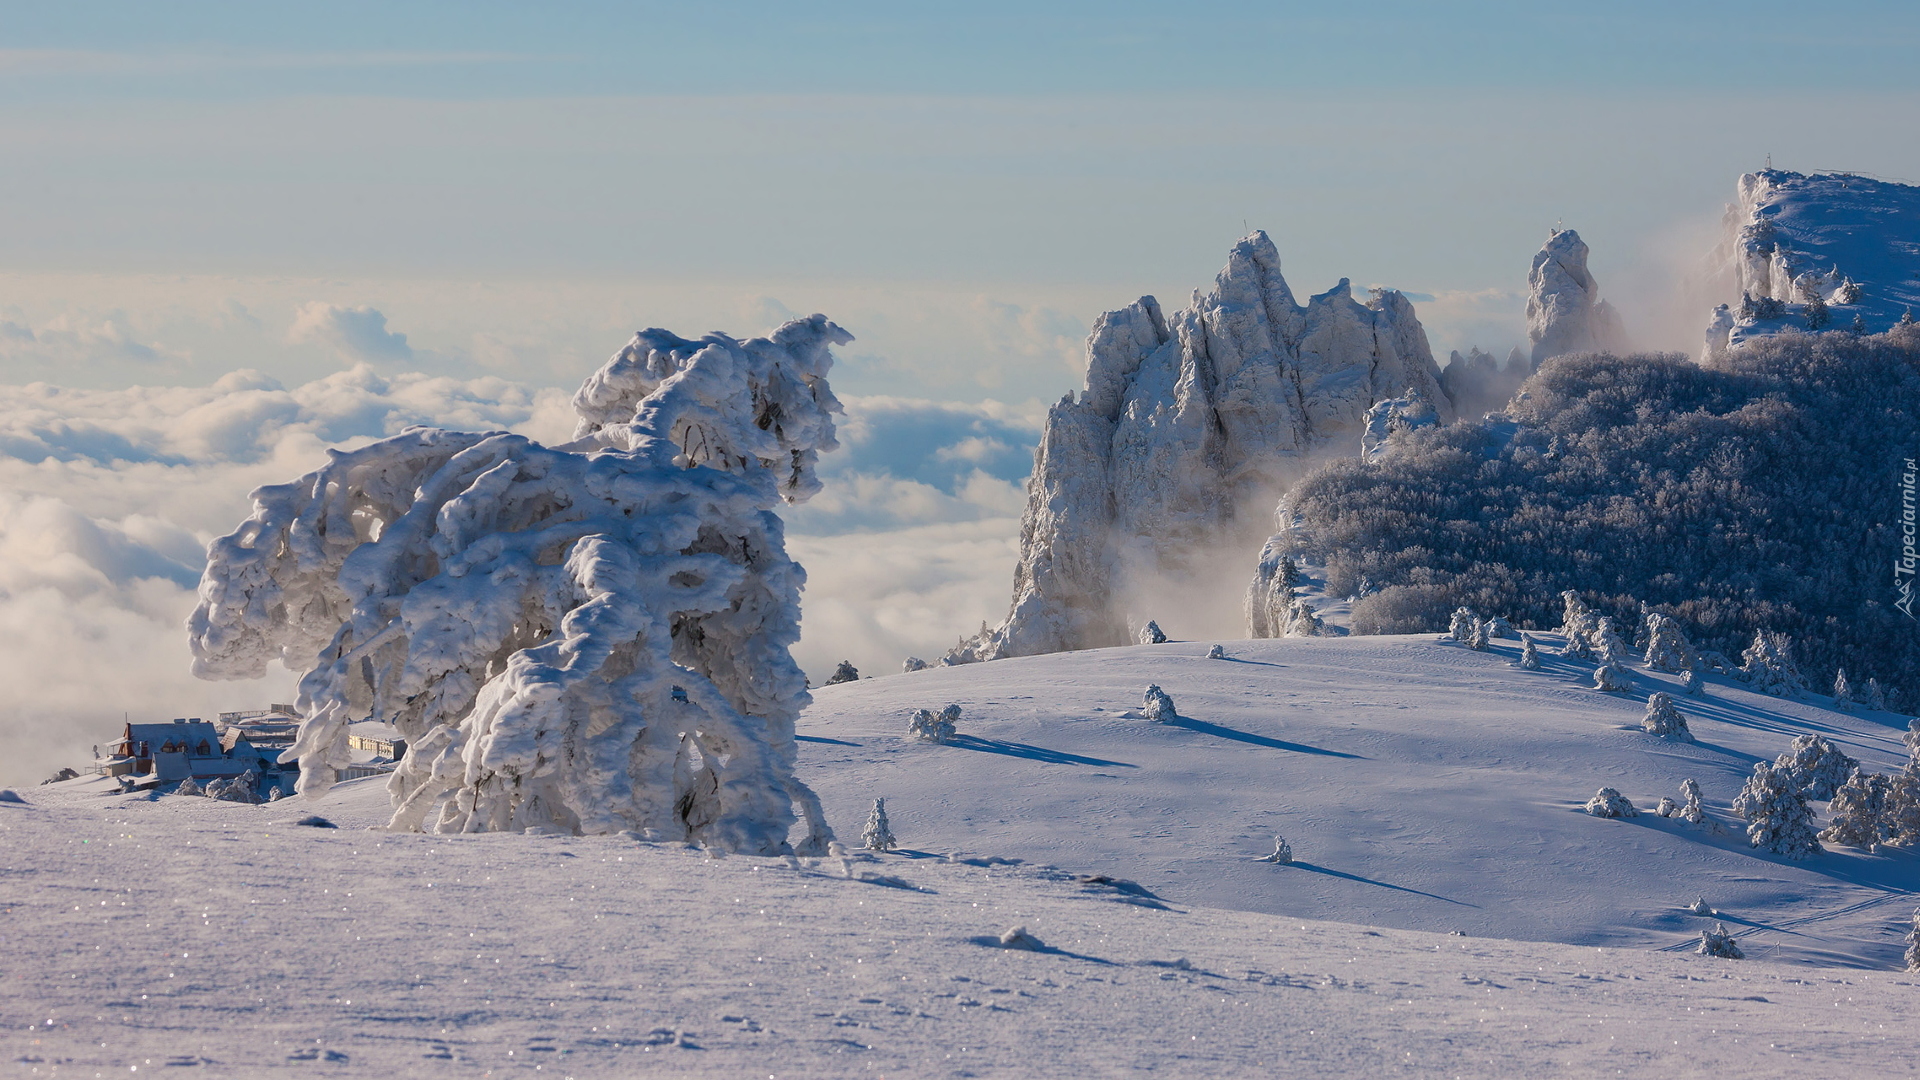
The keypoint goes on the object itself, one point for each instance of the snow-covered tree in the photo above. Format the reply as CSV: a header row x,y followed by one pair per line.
x,y
845,673
1913,943
1667,646
1215,652
1768,665
937,727
1692,810
1577,624
1857,815
1718,942
1858,327
1282,852
1609,803
1612,678
1901,812
1529,654
1666,807
1482,635
1664,720
1875,696
592,637
1849,291
878,835
1499,627
1818,766
1777,815
1606,643
1155,705
1150,634
1696,685
1843,697
1461,628
1816,312
1302,622
188,787
912,664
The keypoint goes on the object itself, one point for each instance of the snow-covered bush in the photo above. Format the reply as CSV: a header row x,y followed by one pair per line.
x,y
1843,699
1857,815
1666,807
1529,654
1696,685
1768,665
1664,720
1577,623
912,664
1155,705
1302,622
1816,765
1461,628
845,673
1609,803
930,726
1913,943
1282,852
592,637
1777,815
1215,652
1606,643
1718,942
878,835
1482,635
1151,634
1499,627
1612,678
188,787
243,788
1692,810
1875,696
1667,646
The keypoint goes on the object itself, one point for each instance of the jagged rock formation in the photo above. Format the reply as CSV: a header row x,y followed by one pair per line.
x,y
1795,245
1564,311
1185,424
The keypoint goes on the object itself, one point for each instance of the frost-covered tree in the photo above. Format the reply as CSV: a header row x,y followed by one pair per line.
x,y
845,673
1696,685
1768,665
1857,815
1858,327
1499,627
1612,678
1460,629
188,787
1215,652
1667,646
1692,810
1606,642
1913,943
591,637
1529,654
1666,807
1849,291
1719,942
937,727
1901,813
1577,623
1843,696
1664,720
912,664
1777,815
1155,705
1302,622
1609,803
1482,635
878,835
1818,766
1875,696
1150,634
1282,852
1816,312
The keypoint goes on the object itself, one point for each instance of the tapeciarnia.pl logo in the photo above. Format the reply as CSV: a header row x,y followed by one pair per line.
x,y
1903,567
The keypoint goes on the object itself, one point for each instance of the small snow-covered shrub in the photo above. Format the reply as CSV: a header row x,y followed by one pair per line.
x,y
1767,665
1150,634
1577,623
1155,705
1664,720
60,777
1666,807
1696,685
1843,696
1302,622
1874,696
1612,678
1718,942
1667,646
1216,653
1816,765
845,673
913,663
188,787
1856,817
1499,627
1529,654
1700,907
1019,938
8,795
878,835
930,726
1282,852
1460,629
1776,812
1482,635
1608,803
1913,943
1606,643
1692,810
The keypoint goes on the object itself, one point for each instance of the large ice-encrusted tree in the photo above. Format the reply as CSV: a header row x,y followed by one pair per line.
x,y
1856,816
1777,815
590,637
1818,766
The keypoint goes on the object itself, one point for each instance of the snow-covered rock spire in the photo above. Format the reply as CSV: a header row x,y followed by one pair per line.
x,y
1564,311
1189,427
591,637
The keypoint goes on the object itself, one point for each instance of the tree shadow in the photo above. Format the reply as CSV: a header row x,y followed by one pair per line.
x,y
1369,881
1030,752
1217,730
820,739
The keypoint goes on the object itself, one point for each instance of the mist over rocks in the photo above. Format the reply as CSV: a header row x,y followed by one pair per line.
x,y
1185,424
1564,311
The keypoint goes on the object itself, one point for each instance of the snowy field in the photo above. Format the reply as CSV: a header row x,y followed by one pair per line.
x,y
1425,788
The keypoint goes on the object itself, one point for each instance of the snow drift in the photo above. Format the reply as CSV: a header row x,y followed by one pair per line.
x,y
591,637
1185,424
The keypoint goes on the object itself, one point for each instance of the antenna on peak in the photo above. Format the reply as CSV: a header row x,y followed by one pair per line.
x,y
1769,162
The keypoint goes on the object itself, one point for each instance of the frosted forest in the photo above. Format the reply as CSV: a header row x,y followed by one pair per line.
x,y
1340,678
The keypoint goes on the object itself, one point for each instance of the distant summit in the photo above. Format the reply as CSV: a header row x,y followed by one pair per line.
x,y
1830,251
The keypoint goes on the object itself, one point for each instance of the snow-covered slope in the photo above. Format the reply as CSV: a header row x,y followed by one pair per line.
x,y
189,937
1421,785
1187,431
1788,235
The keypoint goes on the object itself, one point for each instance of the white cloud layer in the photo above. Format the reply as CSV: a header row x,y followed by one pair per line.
x,y
108,498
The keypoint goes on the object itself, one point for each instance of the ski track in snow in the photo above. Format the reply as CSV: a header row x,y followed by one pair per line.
x,y
1423,786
